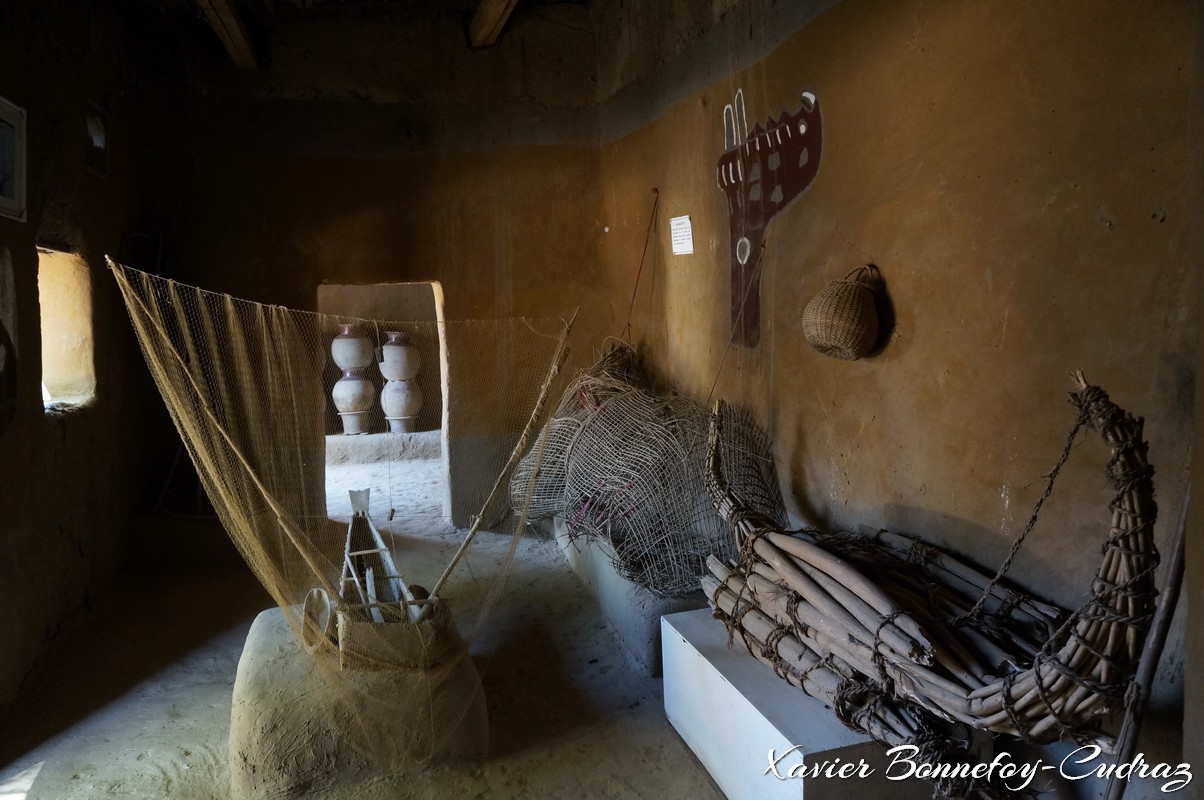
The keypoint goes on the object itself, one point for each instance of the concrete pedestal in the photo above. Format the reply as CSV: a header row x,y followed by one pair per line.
x,y
633,611
732,710
301,724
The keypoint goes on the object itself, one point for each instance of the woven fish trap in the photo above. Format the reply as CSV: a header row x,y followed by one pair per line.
x,y
624,466
842,320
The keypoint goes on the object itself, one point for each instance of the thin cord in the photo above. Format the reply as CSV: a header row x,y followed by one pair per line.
x,y
976,611
868,257
635,289
736,322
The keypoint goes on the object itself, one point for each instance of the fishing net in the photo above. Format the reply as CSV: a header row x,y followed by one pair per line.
x,y
625,465
249,388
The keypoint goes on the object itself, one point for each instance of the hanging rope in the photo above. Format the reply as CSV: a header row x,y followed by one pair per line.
x,y
736,322
976,612
647,238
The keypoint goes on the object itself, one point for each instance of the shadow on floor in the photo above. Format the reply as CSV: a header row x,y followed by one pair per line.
x,y
531,698
186,585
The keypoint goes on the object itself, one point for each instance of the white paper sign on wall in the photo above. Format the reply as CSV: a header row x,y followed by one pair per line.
x,y
682,235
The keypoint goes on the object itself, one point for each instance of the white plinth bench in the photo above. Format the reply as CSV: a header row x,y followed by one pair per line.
x,y
732,710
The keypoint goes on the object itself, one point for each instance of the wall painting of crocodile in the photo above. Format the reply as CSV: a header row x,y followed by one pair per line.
x,y
761,172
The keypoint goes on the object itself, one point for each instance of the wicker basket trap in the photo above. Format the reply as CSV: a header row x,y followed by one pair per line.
x,y
842,320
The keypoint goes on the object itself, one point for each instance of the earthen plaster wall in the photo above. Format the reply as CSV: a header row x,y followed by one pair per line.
x,y
1017,175
71,478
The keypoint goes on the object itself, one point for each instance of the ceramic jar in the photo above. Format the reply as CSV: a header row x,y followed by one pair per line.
x,y
401,397
353,394
400,359
351,348
401,401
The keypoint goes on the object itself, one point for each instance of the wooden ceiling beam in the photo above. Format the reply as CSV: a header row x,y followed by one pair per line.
x,y
488,22
223,17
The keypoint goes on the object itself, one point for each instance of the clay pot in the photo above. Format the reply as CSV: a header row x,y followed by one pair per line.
x,y
401,401
400,359
353,396
351,349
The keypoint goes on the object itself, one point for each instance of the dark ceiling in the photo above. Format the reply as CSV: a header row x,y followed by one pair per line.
x,y
238,23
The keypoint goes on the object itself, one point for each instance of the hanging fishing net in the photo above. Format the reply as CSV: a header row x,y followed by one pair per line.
x,y
380,622
624,465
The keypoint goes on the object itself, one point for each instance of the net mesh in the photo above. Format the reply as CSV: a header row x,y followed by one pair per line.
x,y
248,386
624,465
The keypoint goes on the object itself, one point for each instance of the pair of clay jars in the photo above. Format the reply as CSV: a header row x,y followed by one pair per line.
x,y
354,394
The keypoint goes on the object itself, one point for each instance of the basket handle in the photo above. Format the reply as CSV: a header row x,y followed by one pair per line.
x,y
866,273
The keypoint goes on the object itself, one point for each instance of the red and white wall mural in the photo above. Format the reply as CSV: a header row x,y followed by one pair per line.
x,y
761,172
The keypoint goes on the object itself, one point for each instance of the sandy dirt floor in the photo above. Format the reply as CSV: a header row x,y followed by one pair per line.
x,y
137,703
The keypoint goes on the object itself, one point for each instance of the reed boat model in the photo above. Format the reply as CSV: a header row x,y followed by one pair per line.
x,y
908,642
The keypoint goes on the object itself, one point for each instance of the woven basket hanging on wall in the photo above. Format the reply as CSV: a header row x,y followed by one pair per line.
x,y
842,320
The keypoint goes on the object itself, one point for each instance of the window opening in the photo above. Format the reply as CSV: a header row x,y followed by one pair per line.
x,y
404,463
65,297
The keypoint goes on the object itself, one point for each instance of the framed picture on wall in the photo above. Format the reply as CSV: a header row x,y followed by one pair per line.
x,y
12,160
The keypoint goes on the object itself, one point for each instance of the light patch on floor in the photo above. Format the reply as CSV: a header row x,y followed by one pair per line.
x,y
17,787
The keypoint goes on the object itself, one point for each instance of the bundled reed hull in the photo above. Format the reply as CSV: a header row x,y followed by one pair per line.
x,y
930,642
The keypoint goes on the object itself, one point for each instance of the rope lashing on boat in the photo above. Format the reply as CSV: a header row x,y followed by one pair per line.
x,y
976,612
1103,607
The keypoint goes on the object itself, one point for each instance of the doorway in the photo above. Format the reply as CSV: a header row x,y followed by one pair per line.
x,y
407,472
